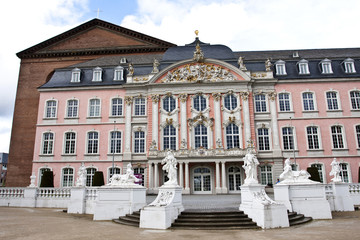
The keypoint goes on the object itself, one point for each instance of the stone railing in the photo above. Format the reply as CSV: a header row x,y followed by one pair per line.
x,y
184,153
54,193
11,193
354,189
91,194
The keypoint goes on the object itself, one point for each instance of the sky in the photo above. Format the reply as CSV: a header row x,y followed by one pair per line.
x,y
242,25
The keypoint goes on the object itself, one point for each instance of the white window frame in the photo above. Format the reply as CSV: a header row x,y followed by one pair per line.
x,y
230,96
322,171
117,139
264,126
343,137
303,67
170,137
318,136
75,75
62,176
140,105
96,107
232,135
138,129
266,172
87,143
97,74
357,135
356,99
118,106
118,73
202,135
314,101
326,67
90,175
337,99
71,140
53,109
261,101
109,174
293,138
163,100
280,67
348,171
200,96
43,144
290,102
77,108
349,65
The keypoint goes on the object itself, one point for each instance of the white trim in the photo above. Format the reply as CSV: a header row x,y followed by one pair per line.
x,y
64,142
209,135
225,125
325,70
121,140
303,67
97,70
294,137
89,106
121,70
39,175
266,126
67,107
134,129
350,104
280,65
56,108
242,174
323,170
290,101
111,107
314,99
87,142
267,110
348,170
211,179
134,104
62,175
42,143
207,107
162,110
343,135
162,127
236,95
355,133
349,62
90,167
337,100
318,134
73,80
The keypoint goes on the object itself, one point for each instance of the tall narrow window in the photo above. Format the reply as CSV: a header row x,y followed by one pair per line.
x,y
72,108
48,143
201,138
332,102
67,177
118,73
230,102
280,67
139,142
337,137
116,107
263,139
355,100
115,142
70,142
349,65
139,104
313,137
93,143
260,103
266,175
94,108
284,102
89,176
169,137
326,66
308,101
344,172
303,67
169,104
232,136
199,103
75,75
288,138
319,167
50,109
97,74
357,128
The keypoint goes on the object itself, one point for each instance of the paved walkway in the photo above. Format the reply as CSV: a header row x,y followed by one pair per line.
x,y
48,224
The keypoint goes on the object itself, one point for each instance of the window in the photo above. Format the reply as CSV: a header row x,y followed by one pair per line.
x,y
169,137
280,67
288,138
332,102
97,72
139,106
266,175
355,100
115,142
93,143
260,103
344,172
337,137
70,142
313,137
94,108
263,139
303,67
308,101
118,73
199,103
232,136
48,143
326,66
116,107
319,167
67,177
169,104
284,102
357,128
75,75
139,144
89,176
72,108
230,102
349,65
50,109
112,171
201,136
41,173
140,174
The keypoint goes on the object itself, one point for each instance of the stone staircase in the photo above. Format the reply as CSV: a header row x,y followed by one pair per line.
x,y
296,219
129,219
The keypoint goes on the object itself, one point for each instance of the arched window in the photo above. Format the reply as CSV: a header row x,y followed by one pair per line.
x,y
201,138
169,104
284,102
67,177
139,106
116,107
232,136
94,107
48,143
41,173
234,175
139,142
332,101
313,137
93,143
199,103
89,176
72,108
320,169
169,137
51,107
70,143
308,101
355,100
337,137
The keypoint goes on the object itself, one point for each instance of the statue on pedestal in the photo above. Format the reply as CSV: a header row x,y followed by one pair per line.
x,y
81,179
335,171
170,163
250,166
288,176
127,179
287,173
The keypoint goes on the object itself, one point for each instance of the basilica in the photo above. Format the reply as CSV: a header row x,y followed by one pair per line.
x,y
105,96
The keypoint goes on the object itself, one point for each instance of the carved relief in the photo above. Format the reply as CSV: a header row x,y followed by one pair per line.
x,y
244,95
200,119
216,96
268,65
272,96
128,100
155,98
183,97
164,198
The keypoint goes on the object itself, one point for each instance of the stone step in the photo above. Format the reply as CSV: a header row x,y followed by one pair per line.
x,y
124,222
296,219
213,224
301,221
209,215
209,220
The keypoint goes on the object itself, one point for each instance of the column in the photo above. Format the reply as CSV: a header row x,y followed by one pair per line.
x,y
223,178
127,151
183,121
217,114
155,118
156,177
218,188
181,175
274,124
151,177
245,98
187,185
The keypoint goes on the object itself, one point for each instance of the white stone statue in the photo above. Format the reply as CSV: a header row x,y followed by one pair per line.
x,y
335,171
155,66
288,176
127,180
287,173
81,179
241,64
170,163
268,65
250,166
32,180
262,198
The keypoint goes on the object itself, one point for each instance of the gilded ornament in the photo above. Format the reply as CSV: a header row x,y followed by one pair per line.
x,y
128,100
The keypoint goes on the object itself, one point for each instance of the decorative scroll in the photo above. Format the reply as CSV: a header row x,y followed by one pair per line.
x,y
164,198
272,96
183,97
245,95
155,98
216,96
128,100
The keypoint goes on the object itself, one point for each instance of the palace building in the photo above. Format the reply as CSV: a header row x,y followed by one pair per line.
x,y
105,96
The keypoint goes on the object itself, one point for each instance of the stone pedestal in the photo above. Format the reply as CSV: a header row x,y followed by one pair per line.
x,y
342,199
264,211
307,199
161,213
113,202
29,197
77,200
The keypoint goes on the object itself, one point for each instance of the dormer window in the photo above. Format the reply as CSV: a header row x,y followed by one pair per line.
x,y
119,73
303,67
75,75
280,67
349,65
97,74
326,66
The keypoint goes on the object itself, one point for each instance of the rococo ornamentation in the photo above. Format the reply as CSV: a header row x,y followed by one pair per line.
x,y
272,96
155,98
183,97
216,96
128,100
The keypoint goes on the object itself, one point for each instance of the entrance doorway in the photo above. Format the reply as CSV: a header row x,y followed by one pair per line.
x,y
202,180
234,177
